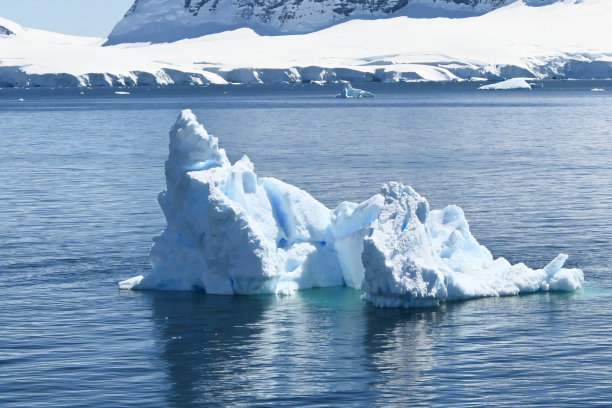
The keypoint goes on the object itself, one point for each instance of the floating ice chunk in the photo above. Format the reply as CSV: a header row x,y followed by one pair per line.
x,y
417,257
348,92
130,283
229,232
561,279
514,83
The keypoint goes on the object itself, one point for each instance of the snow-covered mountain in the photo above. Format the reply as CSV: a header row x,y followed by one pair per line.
x,y
566,39
170,20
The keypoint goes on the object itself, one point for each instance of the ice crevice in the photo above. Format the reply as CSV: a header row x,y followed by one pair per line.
x,y
230,232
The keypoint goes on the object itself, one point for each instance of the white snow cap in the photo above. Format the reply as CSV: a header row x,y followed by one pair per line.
x,y
230,232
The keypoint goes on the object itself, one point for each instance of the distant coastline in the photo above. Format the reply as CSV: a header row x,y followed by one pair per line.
x,y
509,42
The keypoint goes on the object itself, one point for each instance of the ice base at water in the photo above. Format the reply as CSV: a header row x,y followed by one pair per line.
x,y
230,232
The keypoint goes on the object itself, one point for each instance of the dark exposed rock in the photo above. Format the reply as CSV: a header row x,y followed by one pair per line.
x,y
5,31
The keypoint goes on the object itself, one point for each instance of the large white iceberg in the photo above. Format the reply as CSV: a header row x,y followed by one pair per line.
x,y
230,232
348,92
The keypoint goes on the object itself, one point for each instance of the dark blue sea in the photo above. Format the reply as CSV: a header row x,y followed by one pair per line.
x,y
79,176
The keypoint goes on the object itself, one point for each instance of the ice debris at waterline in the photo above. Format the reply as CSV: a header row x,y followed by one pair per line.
x,y
514,83
348,92
230,232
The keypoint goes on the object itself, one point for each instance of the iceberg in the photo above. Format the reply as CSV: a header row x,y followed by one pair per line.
x,y
230,232
513,83
348,92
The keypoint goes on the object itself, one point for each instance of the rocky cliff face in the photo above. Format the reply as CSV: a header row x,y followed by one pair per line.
x,y
171,20
5,31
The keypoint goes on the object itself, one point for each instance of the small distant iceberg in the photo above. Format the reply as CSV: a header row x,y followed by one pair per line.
x,y
597,90
513,83
121,93
231,232
348,92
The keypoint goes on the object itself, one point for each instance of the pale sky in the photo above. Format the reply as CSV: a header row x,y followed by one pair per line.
x,y
79,17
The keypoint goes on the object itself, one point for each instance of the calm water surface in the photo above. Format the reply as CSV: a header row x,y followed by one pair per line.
x,y
79,176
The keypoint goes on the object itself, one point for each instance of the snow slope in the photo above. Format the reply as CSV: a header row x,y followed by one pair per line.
x,y
230,232
564,40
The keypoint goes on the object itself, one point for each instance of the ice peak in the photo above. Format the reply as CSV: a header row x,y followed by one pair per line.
x,y
410,201
191,148
191,144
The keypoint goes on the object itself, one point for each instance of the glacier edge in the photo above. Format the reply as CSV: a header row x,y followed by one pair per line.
x,y
505,43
